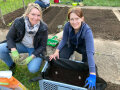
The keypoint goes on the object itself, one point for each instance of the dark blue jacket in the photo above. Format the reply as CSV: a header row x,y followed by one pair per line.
x,y
17,32
82,40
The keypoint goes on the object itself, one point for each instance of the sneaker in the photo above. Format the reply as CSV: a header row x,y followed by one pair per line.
x,y
13,68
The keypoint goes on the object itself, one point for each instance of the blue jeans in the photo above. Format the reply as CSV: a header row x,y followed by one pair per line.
x,y
42,4
33,66
66,52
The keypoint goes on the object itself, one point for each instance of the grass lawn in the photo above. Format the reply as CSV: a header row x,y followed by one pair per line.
x,y
11,5
23,75
114,3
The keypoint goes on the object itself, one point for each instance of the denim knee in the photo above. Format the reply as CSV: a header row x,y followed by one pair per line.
x,y
3,48
34,65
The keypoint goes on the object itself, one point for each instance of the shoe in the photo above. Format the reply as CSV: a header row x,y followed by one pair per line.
x,y
13,68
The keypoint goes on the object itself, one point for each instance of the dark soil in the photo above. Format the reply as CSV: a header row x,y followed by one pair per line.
x,y
103,23
55,16
67,76
10,17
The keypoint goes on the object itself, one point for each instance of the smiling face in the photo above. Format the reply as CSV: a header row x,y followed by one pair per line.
x,y
75,17
75,21
34,16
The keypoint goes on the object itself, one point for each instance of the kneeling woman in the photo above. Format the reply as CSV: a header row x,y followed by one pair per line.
x,y
77,36
28,34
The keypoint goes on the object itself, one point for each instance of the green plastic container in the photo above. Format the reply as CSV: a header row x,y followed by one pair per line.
x,y
52,42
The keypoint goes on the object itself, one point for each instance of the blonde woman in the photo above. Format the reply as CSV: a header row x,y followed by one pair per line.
x,y
28,34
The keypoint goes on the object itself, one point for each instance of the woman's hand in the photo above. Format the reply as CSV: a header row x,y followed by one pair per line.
x,y
15,55
55,55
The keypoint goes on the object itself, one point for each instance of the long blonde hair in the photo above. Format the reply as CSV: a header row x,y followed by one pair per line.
x,y
30,7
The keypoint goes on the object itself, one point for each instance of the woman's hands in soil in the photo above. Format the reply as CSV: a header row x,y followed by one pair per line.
x,y
55,55
91,82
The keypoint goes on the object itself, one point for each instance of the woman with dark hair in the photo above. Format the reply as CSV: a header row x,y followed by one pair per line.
x,y
77,36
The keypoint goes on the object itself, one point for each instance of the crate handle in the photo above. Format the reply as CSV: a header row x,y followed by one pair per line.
x,y
54,37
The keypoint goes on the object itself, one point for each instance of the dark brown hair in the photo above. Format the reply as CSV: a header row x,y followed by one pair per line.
x,y
76,10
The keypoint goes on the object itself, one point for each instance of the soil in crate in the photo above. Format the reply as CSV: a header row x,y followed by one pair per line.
x,y
67,76
72,77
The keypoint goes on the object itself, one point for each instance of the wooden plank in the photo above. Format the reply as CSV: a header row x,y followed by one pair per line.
x,y
117,13
59,35
1,16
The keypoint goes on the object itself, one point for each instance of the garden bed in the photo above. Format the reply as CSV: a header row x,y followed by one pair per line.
x,y
103,23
